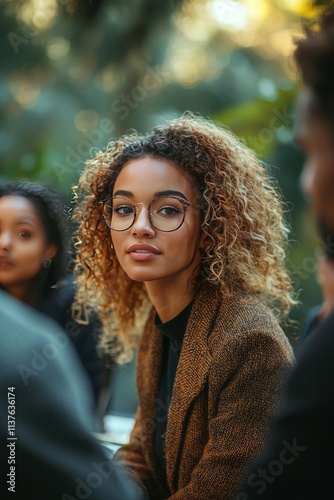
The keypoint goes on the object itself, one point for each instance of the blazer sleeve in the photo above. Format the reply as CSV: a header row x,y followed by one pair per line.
x,y
245,382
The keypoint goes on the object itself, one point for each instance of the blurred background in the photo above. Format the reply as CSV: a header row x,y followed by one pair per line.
x,y
77,73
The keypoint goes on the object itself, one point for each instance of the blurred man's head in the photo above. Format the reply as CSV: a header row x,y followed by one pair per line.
x,y
315,122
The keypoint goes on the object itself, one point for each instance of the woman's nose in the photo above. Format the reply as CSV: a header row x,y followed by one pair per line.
x,y
5,240
306,179
142,225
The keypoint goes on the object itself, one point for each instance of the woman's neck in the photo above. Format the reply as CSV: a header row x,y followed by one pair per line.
x,y
169,301
26,294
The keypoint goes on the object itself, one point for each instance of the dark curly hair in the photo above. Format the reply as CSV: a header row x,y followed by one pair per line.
x,y
242,219
53,216
314,55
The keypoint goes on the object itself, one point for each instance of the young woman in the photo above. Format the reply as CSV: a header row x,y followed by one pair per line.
x,y
32,244
33,236
182,230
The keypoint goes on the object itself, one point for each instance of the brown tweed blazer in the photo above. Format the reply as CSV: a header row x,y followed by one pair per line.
x,y
227,386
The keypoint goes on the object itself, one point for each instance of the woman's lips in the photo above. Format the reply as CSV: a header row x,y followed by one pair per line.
x,y
143,252
5,263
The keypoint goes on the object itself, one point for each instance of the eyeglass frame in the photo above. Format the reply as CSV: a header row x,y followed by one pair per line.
x,y
186,203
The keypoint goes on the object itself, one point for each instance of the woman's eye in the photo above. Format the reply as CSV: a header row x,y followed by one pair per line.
x,y
24,234
169,211
124,210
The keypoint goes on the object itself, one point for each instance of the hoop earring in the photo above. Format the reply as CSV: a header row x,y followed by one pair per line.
x,y
46,264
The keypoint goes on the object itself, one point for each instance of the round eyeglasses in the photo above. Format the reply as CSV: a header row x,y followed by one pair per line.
x,y
166,213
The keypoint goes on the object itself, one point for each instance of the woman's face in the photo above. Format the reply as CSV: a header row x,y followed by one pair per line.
x,y
145,253
317,180
23,243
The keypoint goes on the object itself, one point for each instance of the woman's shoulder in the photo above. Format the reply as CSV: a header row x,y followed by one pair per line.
x,y
248,308
246,329
237,309
243,318
58,300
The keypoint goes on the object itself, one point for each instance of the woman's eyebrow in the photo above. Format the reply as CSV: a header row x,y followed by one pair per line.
x,y
122,192
170,192
25,221
166,193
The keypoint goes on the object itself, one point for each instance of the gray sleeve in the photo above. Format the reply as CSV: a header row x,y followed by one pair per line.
x,y
55,454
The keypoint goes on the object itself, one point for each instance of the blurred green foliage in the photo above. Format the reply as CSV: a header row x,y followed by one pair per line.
x,y
77,73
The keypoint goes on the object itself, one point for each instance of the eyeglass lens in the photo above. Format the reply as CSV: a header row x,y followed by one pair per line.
x,y
166,214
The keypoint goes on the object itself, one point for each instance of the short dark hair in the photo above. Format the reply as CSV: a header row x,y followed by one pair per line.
x,y
53,216
314,55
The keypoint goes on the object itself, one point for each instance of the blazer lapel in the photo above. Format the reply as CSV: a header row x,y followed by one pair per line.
x,y
149,360
191,373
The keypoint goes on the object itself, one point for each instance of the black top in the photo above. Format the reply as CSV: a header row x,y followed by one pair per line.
x,y
57,305
173,332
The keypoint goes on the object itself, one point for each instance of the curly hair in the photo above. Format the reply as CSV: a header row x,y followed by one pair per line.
x,y
242,220
314,55
53,216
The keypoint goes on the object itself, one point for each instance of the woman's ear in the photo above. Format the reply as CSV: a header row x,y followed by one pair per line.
x,y
51,252
204,241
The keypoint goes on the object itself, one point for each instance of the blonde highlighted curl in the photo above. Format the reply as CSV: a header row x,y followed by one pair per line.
x,y
242,218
